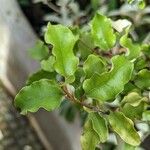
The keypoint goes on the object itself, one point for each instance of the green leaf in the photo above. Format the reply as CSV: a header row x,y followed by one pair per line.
x,y
108,85
133,112
146,49
142,80
39,51
93,64
85,45
89,138
41,74
63,42
79,77
48,64
146,115
128,147
130,87
102,32
134,99
99,126
140,63
133,50
142,4
40,94
124,127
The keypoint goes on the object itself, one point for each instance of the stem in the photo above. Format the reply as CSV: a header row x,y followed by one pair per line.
x,y
73,99
52,6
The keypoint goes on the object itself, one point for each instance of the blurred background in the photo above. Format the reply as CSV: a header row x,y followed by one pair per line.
x,y
22,23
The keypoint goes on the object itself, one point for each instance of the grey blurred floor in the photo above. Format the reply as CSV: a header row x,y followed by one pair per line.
x,y
15,130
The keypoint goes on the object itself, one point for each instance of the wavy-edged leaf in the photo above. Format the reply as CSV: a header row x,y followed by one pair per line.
x,y
128,147
106,86
133,112
133,98
130,87
142,80
102,32
63,42
124,127
39,51
48,64
41,74
89,138
99,126
146,115
85,45
40,94
133,50
93,64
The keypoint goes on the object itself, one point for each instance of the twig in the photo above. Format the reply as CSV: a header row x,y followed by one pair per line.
x,y
52,6
83,104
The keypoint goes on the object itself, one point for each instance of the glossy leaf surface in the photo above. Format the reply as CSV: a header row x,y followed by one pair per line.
x,y
133,50
99,126
63,42
41,74
124,127
93,64
106,86
40,94
89,138
39,51
102,32
48,64
142,80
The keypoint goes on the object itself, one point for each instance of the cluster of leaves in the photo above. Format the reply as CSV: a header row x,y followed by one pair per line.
x,y
99,69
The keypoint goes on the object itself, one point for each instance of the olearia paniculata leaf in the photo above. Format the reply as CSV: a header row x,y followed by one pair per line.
x,y
43,93
63,42
87,69
108,85
102,32
133,50
95,131
124,127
